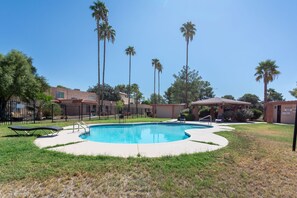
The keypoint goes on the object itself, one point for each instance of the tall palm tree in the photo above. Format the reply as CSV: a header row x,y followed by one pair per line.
x,y
160,69
155,63
266,70
100,13
107,33
188,30
137,95
130,51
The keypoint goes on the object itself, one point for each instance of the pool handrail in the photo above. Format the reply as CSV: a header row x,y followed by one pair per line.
x,y
81,124
210,119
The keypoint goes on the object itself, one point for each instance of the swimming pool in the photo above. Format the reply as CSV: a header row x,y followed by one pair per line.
x,y
139,133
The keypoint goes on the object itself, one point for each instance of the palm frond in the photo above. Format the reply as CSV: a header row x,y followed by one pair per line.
x,y
130,51
188,29
267,70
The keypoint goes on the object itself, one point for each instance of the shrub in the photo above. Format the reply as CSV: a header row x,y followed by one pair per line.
x,y
228,115
204,111
190,117
257,114
243,114
120,105
47,110
185,111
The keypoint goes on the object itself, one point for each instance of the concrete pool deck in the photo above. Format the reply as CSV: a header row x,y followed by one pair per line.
x,y
201,140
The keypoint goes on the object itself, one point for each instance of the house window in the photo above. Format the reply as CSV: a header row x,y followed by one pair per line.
x,y
59,94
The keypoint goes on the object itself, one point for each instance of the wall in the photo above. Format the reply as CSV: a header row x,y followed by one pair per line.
x,y
168,110
73,94
288,112
76,99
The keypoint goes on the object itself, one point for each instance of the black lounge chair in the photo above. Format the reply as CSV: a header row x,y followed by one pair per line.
x,y
182,118
31,130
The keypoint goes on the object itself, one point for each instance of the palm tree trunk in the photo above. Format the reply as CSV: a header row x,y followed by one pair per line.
x,y
103,73
154,91
187,73
136,106
98,85
129,89
159,87
265,99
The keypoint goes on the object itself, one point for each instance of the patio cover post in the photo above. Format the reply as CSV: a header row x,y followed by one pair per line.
x,y
212,113
221,109
295,131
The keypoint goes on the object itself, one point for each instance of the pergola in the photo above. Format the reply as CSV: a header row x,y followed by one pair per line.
x,y
220,103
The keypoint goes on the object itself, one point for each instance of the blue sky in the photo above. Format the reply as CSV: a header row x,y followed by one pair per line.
x,y
232,38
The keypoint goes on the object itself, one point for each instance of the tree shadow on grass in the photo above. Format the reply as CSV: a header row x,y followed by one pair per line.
x,y
20,135
28,135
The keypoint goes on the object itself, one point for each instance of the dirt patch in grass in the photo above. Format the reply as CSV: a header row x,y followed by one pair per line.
x,y
82,185
267,169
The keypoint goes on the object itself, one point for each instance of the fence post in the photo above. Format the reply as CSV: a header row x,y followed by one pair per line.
x,y
89,112
99,111
52,112
79,112
65,113
295,131
34,115
82,111
10,112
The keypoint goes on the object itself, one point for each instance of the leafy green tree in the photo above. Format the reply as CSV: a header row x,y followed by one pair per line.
x,y
137,94
188,30
99,12
206,91
197,88
158,97
120,105
147,101
135,91
19,79
130,51
61,86
273,95
293,92
253,99
121,88
228,97
109,93
266,71
168,95
48,107
42,100
107,33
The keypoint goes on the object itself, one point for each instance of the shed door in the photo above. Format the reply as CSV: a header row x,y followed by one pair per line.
x,y
279,111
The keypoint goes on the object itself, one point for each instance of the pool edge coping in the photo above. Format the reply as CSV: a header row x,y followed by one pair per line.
x,y
186,146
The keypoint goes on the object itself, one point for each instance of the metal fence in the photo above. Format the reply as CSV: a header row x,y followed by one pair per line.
x,y
26,113
17,111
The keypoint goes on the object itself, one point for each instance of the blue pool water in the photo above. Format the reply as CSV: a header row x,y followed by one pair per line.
x,y
139,133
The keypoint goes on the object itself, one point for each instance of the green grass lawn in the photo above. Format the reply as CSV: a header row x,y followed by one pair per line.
x,y
257,161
